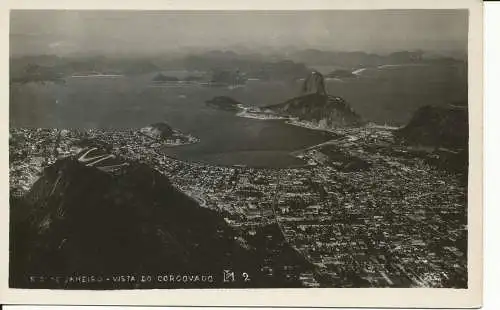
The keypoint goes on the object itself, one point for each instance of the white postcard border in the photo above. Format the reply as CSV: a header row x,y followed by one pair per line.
x,y
321,297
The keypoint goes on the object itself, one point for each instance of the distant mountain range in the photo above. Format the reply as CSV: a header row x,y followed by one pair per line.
x,y
361,59
46,67
251,65
79,220
289,65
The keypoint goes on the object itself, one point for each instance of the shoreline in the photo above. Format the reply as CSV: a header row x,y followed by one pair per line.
x,y
359,71
246,114
98,75
337,132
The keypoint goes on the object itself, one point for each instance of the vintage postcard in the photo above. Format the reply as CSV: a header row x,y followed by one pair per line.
x,y
243,154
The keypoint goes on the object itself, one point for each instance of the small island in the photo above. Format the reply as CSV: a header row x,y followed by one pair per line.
x,y
193,78
340,74
165,78
225,103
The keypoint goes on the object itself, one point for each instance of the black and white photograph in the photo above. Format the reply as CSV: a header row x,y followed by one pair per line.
x,y
238,149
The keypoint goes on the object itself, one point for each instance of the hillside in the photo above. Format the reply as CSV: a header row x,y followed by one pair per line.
x,y
79,220
437,127
446,130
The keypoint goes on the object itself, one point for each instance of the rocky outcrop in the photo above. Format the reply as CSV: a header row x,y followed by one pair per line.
x,y
158,131
324,110
317,106
314,84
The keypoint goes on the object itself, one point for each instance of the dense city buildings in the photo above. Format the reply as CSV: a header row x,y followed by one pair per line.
x,y
364,211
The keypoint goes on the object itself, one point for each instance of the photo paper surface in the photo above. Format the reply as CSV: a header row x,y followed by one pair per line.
x,y
244,151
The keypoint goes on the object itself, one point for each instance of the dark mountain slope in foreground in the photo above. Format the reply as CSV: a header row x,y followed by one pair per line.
x,y
78,220
322,109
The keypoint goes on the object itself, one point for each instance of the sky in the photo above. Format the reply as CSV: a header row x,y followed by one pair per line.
x,y
153,32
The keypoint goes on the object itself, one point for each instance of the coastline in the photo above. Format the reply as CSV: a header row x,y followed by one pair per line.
x,y
263,117
98,76
358,71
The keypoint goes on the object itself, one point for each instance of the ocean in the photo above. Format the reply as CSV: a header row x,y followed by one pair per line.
x,y
386,95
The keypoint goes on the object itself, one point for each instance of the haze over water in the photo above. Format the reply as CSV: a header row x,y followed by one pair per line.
x,y
381,95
